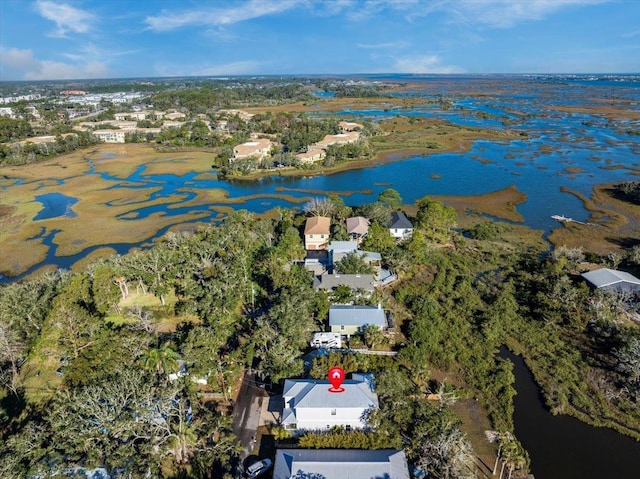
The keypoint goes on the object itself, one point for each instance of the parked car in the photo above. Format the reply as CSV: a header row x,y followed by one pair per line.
x,y
257,468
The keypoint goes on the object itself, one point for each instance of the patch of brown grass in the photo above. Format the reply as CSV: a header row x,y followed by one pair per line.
x,y
615,224
499,204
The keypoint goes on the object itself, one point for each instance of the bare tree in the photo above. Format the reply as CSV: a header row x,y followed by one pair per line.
x,y
319,207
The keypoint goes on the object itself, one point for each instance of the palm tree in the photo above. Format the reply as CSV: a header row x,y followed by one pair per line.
x,y
162,360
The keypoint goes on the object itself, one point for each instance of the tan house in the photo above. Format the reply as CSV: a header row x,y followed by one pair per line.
x,y
175,115
358,227
246,116
339,139
316,232
259,148
311,155
110,136
350,126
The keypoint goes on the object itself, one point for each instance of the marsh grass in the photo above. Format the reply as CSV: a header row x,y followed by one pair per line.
x,y
498,204
616,224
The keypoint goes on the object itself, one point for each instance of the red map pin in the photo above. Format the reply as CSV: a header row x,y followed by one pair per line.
x,y
336,376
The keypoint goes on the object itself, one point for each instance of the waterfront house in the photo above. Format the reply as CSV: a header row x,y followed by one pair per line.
x,y
259,148
400,227
340,463
316,232
309,405
311,155
350,126
353,319
110,136
613,280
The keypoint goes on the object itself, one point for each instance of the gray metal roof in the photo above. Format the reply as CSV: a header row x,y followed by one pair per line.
x,y
341,463
354,315
342,246
355,281
399,221
612,279
314,393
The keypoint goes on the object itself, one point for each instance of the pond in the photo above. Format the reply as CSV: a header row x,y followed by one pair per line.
x,y
562,446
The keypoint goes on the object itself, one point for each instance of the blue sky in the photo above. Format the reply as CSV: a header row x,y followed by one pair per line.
x,y
64,39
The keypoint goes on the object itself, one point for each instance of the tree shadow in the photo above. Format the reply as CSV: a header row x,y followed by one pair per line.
x,y
14,403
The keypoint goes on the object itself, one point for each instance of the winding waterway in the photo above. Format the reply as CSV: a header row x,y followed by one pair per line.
x,y
560,147
562,447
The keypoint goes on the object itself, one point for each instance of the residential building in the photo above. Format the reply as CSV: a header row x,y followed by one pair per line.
x,y
613,280
316,232
311,405
243,115
400,226
353,319
350,126
329,282
339,249
358,227
311,155
259,148
110,136
175,115
339,139
341,463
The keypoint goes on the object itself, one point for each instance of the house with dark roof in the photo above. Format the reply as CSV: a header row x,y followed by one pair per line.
x,y
341,463
400,227
311,405
353,319
611,279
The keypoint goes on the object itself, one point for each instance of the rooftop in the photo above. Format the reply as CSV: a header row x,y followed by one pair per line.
x,y
340,463
354,315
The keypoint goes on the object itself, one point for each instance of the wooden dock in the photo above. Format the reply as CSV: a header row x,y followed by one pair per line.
x,y
564,219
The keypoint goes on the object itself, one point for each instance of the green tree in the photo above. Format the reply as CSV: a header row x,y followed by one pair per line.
x,y
354,263
390,198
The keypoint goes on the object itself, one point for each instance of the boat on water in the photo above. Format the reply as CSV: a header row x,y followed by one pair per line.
x,y
561,218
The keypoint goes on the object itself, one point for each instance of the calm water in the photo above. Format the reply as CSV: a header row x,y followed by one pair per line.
x,y
574,150
561,447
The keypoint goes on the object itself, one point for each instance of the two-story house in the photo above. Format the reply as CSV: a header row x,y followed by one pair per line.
x,y
309,405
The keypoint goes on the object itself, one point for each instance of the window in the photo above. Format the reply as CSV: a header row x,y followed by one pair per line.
x,y
342,327
310,236
333,412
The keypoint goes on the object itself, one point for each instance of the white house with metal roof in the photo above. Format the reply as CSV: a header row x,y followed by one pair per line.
x,y
340,463
612,279
309,405
353,319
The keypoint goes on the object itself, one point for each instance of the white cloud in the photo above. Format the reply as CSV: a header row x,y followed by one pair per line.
x,y
508,13
30,68
66,17
245,67
492,13
381,46
168,21
423,64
